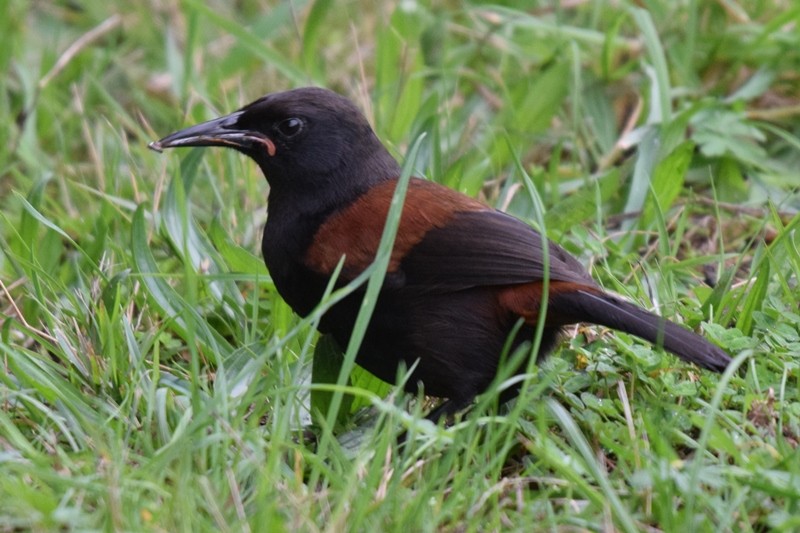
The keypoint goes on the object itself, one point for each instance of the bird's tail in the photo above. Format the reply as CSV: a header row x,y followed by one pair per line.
x,y
610,311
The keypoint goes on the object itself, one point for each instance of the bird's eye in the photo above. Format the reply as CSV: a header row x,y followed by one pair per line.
x,y
290,127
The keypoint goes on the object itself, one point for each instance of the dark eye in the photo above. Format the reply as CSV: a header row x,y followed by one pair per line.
x,y
290,127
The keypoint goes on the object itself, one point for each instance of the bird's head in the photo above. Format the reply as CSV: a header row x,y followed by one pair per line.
x,y
304,140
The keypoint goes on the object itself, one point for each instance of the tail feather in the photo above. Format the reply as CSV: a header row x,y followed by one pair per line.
x,y
610,311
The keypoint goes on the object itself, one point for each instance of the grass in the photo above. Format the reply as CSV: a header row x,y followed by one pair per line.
x,y
153,379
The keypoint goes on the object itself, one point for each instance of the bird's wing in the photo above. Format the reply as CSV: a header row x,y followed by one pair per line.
x,y
483,248
445,241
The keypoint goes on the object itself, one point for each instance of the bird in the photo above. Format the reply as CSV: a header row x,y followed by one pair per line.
x,y
464,281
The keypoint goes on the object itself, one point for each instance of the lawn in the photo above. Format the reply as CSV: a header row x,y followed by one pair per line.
x,y
153,379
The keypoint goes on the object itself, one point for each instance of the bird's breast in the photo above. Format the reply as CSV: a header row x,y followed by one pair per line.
x,y
283,248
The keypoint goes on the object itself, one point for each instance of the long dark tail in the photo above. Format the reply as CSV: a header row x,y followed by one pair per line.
x,y
607,310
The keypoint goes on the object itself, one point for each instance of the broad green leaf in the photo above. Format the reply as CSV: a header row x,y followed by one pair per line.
x,y
238,259
667,182
582,205
754,300
536,104
327,364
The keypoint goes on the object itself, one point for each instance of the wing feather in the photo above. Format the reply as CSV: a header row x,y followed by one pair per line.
x,y
485,248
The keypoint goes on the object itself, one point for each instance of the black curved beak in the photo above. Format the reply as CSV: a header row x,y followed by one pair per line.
x,y
221,131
